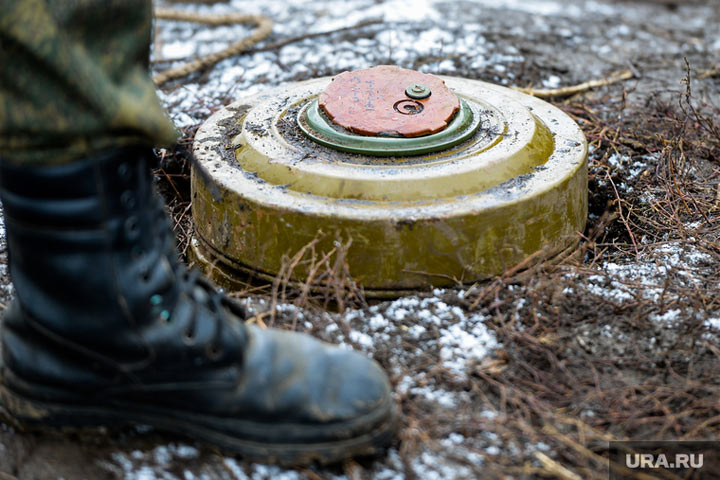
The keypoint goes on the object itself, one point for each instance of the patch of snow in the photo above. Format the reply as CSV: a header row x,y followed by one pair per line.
x,y
617,160
362,339
553,81
144,473
416,331
668,318
271,472
257,471
453,439
436,395
464,338
551,8
649,277
542,446
429,466
713,322
234,467
378,322
460,344
156,464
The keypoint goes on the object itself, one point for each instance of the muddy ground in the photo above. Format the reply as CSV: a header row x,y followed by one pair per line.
x,y
529,375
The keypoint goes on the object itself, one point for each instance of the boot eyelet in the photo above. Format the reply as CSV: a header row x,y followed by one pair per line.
x,y
188,339
123,171
145,276
213,352
164,316
127,199
132,227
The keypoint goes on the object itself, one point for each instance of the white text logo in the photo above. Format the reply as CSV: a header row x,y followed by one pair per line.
x,y
648,460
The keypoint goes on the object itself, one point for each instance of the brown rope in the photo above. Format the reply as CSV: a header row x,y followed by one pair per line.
x,y
264,28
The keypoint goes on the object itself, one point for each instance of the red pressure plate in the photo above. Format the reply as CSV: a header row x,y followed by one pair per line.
x,y
389,100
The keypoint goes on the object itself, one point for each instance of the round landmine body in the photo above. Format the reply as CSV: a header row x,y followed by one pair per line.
x,y
277,178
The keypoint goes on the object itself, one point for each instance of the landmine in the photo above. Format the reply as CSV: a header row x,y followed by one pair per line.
x,y
435,181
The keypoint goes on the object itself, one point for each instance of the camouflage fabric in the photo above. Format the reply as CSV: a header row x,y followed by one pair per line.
x,y
74,79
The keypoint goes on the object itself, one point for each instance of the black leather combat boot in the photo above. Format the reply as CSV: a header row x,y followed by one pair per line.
x,y
108,328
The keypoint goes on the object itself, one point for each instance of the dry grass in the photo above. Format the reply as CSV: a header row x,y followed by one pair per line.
x,y
552,379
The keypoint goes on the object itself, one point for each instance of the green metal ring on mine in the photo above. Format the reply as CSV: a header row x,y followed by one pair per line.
x,y
316,126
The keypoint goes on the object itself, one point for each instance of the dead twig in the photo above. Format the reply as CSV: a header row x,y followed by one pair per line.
x,y
555,469
582,87
713,72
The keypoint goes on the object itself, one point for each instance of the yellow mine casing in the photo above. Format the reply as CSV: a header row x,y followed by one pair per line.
x,y
262,190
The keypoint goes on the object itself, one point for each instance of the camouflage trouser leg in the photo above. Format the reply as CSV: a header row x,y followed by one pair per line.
x,y
74,79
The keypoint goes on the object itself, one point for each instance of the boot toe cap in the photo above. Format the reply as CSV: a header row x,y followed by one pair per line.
x,y
356,385
312,382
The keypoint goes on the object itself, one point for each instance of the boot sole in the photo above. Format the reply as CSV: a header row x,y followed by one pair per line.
x,y
31,414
